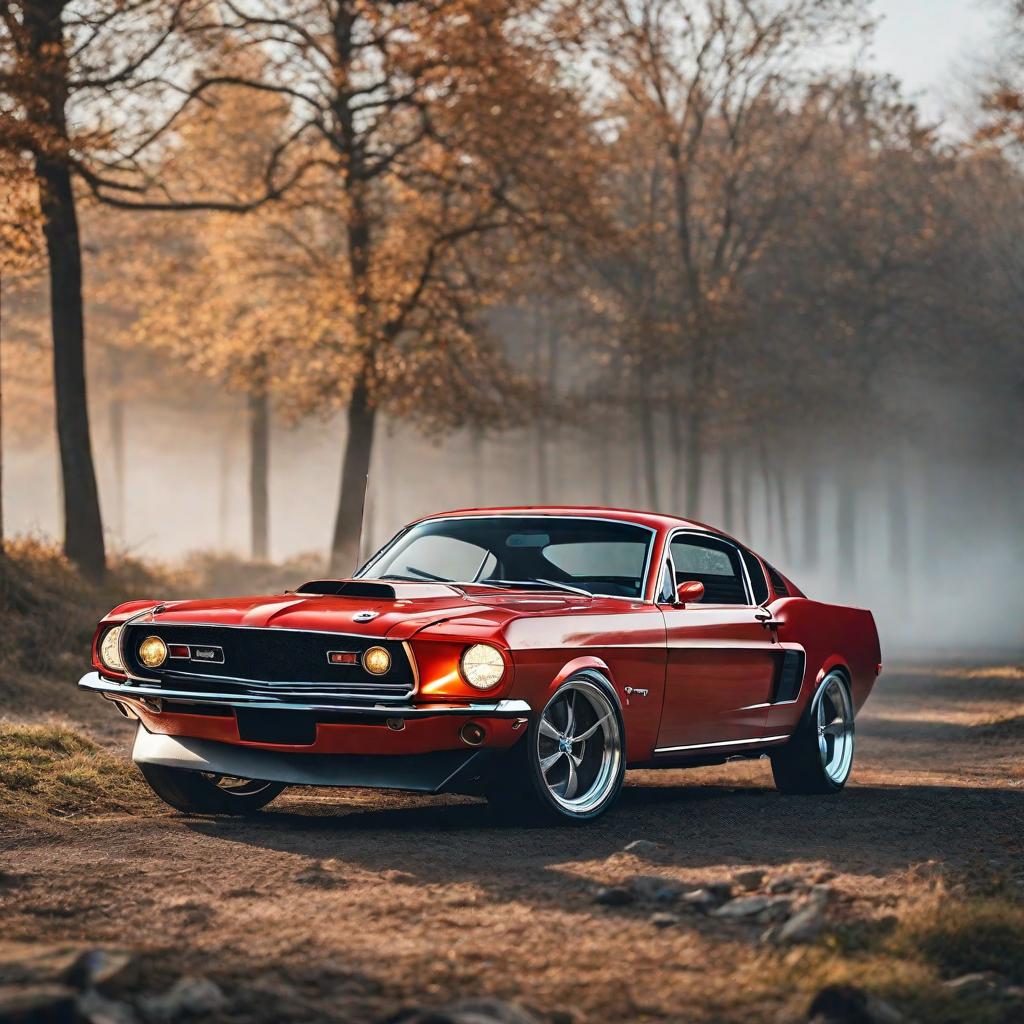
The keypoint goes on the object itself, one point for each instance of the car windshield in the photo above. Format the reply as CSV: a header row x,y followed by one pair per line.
x,y
593,556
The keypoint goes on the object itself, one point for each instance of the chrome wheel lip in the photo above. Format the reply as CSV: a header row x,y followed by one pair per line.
x,y
833,719
600,733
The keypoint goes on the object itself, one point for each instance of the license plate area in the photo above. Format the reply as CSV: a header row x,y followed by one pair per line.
x,y
289,728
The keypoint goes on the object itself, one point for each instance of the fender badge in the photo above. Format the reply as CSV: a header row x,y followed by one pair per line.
x,y
364,616
635,691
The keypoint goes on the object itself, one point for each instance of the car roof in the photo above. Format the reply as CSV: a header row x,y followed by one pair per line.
x,y
655,520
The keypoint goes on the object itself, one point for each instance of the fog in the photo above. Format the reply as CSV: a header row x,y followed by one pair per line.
x,y
957,591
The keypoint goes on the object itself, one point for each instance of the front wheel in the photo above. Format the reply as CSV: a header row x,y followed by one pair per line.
x,y
205,793
574,756
819,757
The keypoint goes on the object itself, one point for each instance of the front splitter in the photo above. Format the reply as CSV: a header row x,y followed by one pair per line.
x,y
439,772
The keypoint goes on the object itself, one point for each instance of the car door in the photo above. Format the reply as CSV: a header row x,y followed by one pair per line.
x,y
721,660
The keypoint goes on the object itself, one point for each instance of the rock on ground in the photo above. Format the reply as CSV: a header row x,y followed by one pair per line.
x,y
471,1011
847,1004
188,996
38,1004
749,880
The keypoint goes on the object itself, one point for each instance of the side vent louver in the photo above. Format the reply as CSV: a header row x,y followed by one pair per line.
x,y
789,677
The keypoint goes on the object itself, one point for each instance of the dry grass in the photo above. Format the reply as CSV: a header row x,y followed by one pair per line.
x,y
905,960
49,613
54,771
961,936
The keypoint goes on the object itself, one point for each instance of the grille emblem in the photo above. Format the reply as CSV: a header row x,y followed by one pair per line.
x,y
364,616
208,652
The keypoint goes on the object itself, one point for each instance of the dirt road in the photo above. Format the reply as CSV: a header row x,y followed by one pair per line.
x,y
346,906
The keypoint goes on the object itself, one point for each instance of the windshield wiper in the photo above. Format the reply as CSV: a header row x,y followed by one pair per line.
x,y
546,584
419,576
565,586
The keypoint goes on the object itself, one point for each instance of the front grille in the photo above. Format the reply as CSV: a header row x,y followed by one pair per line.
x,y
279,663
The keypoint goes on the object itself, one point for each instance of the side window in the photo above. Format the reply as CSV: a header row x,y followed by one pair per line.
x,y
715,563
756,573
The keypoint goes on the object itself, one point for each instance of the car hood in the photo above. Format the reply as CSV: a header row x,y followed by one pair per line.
x,y
398,614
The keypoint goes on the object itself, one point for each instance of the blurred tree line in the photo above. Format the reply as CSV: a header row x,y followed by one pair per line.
x,y
696,232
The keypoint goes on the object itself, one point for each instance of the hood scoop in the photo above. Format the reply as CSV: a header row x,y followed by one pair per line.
x,y
349,588
373,590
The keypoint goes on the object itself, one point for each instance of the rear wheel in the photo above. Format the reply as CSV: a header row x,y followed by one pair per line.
x,y
206,793
819,757
572,761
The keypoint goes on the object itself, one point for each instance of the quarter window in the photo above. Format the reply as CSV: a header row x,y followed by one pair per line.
x,y
756,574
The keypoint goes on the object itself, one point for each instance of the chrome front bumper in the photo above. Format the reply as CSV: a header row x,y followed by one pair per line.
x,y
140,691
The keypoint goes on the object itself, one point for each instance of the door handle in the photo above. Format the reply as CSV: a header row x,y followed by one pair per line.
x,y
765,617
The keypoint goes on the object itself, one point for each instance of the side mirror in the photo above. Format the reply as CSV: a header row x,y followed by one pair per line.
x,y
689,592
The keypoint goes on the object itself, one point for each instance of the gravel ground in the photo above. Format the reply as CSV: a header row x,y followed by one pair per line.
x,y
341,905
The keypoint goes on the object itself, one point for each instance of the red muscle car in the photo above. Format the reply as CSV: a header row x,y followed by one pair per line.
x,y
529,655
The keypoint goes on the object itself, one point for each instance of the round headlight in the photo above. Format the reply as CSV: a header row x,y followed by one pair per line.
x,y
152,652
110,655
482,666
376,661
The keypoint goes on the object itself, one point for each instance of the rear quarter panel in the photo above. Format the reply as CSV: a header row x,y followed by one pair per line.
x,y
832,636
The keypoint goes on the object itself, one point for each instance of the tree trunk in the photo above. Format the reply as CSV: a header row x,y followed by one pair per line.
x,y
362,417
725,468
694,463
675,446
1,416
846,525
83,527
117,443
605,465
766,483
810,513
649,450
780,489
259,472
898,515
746,482
479,464
224,489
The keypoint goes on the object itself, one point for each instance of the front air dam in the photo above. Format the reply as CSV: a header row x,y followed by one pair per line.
x,y
443,771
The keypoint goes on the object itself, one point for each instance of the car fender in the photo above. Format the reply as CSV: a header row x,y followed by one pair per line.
x,y
582,664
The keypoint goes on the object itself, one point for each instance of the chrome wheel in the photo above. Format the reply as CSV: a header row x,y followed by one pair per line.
x,y
834,722
579,747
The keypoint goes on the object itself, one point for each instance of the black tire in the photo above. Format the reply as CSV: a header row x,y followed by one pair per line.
x,y
813,762
509,792
202,793
523,788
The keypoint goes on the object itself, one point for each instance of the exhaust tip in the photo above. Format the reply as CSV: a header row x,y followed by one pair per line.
x,y
473,734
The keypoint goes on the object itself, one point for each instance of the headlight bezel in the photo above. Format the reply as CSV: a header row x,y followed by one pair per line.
x,y
495,663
